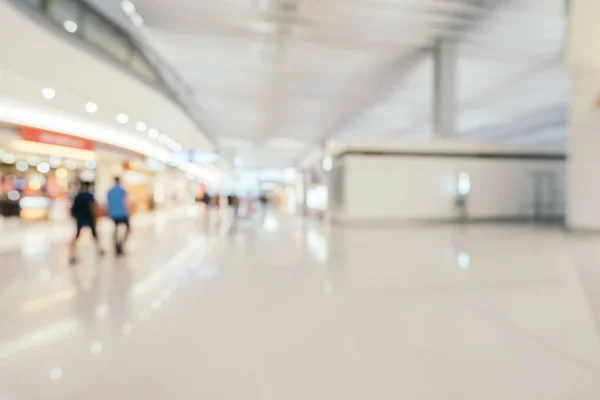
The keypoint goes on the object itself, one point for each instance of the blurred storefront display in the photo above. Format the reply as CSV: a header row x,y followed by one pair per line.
x,y
39,171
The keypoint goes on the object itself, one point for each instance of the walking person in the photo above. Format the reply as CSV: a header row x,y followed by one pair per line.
x,y
85,211
119,212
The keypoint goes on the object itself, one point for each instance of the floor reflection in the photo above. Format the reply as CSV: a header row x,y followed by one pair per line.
x,y
279,306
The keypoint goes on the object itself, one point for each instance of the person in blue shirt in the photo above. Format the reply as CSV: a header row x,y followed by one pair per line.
x,y
118,210
85,212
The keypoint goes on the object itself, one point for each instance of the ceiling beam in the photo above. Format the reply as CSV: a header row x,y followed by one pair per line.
x,y
382,88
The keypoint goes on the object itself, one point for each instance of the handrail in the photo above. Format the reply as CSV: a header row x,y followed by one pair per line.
x,y
97,31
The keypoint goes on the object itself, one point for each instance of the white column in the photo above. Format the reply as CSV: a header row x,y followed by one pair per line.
x,y
583,204
444,89
583,60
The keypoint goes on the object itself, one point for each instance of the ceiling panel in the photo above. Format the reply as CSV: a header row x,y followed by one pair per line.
x,y
310,70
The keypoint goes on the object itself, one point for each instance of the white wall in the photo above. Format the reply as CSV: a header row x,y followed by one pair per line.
x,y
403,187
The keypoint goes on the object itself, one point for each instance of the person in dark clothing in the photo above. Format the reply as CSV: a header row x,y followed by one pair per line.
x,y
206,199
84,210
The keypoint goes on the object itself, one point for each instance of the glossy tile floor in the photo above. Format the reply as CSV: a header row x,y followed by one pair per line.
x,y
280,308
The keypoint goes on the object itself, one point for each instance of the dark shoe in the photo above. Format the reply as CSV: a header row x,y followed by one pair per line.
x,y
119,249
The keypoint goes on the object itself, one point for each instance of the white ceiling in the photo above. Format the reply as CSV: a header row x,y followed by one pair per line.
x,y
277,77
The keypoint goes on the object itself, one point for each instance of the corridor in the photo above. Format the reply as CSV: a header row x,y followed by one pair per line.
x,y
276,307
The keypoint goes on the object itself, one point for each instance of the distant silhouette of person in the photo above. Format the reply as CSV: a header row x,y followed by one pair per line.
x,y
206,199
264,200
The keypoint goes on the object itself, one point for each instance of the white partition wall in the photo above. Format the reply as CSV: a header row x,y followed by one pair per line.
x,y
423,184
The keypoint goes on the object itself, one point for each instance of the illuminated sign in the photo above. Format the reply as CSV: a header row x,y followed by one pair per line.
x,y
194,157
54,138
203,157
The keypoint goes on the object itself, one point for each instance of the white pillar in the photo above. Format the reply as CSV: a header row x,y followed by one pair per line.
x,y
444,88
583,60
583,204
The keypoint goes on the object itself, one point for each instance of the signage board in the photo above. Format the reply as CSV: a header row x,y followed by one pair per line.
x,y
203,157
54,138
194,157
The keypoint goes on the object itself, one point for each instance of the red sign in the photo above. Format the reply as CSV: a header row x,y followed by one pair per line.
x,y
55,138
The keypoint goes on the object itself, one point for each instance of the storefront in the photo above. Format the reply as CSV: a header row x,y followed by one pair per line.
x,y
152,185
138,181
39,172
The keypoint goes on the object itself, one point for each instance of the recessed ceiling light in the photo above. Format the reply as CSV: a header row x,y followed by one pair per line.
x,y
91,107
153,133
49,93
137,20
178,147
56,373
123,118
55,161
9,158
140,126
96,348
44,168
22,166
162,138
263,27
128,7
70,26
14,195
